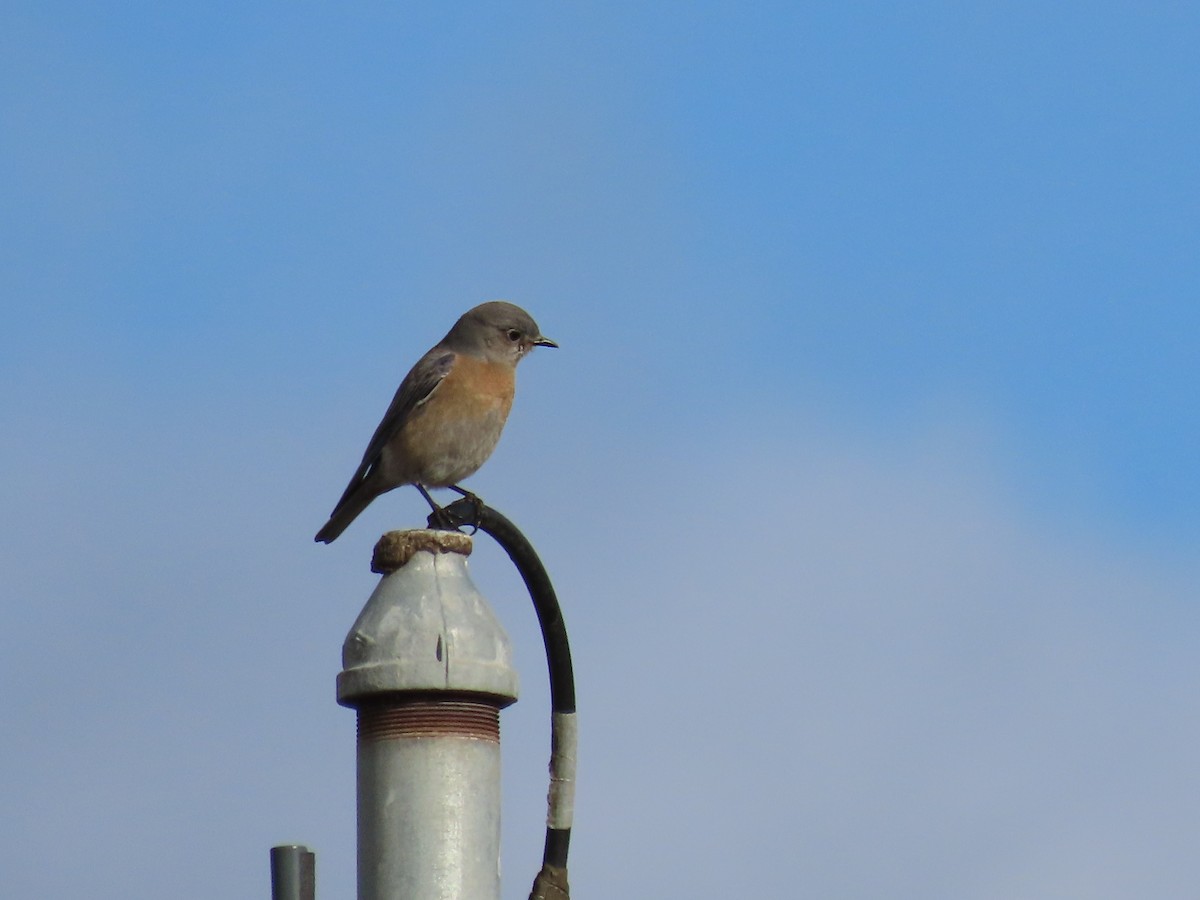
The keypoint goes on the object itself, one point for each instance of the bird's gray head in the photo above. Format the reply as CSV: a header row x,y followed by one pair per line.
x,y
497,331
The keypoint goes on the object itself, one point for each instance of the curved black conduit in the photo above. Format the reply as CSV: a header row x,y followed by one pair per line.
x,y
551,882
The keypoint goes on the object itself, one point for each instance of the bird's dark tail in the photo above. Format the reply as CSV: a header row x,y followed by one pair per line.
x,y
347,511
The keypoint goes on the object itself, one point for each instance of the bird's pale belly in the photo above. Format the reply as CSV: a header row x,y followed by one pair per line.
x,y
455,449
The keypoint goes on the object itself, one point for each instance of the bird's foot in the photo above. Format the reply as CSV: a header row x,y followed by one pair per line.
x,y
477,507
440,520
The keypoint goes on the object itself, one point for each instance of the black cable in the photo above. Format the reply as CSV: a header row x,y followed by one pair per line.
x,y
551,882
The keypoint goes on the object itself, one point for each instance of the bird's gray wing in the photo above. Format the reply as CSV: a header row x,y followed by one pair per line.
x,y
417,387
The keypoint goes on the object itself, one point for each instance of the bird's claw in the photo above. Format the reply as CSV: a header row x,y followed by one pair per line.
x,y
452,517
476,512
440,520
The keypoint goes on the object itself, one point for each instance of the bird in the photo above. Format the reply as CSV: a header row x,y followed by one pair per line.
x,y
447,415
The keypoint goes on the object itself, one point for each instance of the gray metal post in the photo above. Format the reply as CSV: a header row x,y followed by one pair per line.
x,y
428,668
293,873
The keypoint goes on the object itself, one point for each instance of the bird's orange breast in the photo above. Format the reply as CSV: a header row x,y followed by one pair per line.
x,y
453,433
475,388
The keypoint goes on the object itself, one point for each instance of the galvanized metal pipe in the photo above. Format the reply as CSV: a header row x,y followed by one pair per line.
x,y
428,667
293,873
429,802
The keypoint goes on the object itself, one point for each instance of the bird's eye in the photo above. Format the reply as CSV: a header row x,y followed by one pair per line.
x,y
513,335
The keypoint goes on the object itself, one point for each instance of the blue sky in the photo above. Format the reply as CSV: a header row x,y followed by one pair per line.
x,y
892,309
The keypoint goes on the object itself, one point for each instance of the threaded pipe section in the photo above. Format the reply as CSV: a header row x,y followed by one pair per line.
x,y
429,718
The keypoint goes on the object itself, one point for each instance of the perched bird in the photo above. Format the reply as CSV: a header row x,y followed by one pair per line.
x,y
448,412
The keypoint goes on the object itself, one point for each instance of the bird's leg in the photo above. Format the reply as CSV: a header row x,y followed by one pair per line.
x,y
425,494
438,517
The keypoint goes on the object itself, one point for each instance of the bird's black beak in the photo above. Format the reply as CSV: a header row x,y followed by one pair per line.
x,y
540,341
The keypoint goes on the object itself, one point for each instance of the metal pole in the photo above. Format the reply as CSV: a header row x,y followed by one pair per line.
x,y
293,873
428,667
